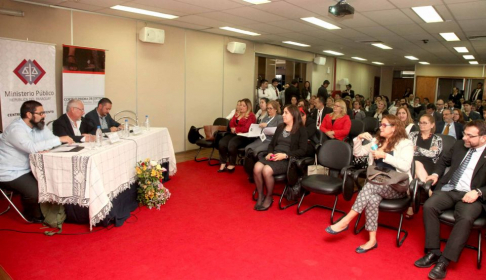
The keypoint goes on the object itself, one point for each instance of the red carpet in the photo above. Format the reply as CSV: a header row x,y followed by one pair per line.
x,y
209,230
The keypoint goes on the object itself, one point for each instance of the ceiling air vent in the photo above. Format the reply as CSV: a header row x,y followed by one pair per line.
x,y
477,38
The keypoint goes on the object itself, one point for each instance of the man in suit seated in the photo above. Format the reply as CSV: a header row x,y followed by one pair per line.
x,y
469,114
448,126
463,189
431,110
100,116
73,124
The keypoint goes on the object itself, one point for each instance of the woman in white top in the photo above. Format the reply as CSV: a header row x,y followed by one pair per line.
x,y
403,114
381,110
263,109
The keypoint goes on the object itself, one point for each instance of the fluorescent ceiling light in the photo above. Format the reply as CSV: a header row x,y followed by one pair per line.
x,y
296,44
320,23
359,58
461,49
239,31
143,12
257,2
378,63
473,62
333,52
411,57
450,36
428,14
408,72
468,56
424,63
382,46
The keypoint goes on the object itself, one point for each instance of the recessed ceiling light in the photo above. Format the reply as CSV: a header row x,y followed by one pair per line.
x,y
143,12
378,63
473,62
461,49
333,52
450,36
411,57
296,44
359,58
424,63
382,46
428,14
320,23
468,56
257,2
240,31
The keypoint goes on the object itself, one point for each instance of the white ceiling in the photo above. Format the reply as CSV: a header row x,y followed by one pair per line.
x,y
391,21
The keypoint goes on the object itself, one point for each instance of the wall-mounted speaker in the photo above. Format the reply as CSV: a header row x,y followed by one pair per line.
x,y
151,35
236,47
320,60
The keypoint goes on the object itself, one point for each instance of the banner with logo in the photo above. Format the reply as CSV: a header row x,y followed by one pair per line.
x,y
27,72
83,76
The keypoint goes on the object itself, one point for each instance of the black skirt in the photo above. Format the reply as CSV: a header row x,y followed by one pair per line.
x,y
278,167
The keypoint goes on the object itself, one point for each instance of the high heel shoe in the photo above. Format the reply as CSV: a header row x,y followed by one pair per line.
x,y
261,208
257,205
222,170
230,170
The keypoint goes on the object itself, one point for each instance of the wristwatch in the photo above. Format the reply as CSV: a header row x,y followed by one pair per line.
x,y
480,193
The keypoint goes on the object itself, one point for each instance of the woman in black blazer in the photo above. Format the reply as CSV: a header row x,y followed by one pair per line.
x,y
290,140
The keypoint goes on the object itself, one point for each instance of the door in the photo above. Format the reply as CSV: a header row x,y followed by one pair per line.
x,y
426,87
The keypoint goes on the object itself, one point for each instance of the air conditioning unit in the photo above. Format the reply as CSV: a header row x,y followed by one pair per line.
x,y
236,47
320,60
152,35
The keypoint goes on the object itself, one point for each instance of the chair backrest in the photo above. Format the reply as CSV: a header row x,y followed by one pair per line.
x,y
334,154
371,125
357,127
447,142
49,125
126,114
221,121
193,135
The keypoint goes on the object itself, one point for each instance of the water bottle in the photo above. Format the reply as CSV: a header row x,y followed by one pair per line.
x,y
374,145
126,128
147,123
99,136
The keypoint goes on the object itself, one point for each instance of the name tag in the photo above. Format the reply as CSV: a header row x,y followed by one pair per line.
x,y
136,130
263,137
113,137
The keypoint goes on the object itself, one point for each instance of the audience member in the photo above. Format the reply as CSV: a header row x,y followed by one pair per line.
x,y
358,114
367,106
337,97
456,97
439,106
403,115
262,113
469,114
381,110
274,88
265,92
451,104
26,135
292,91
306,91
417,107
100,116
348,91
322,92
458,117
477,93
407,93
290,140
312,103
330,102
461,189
395,151
231,142
310,127
430,109
272,119
293,101
337,124
73,124
234,111
320,111
448,126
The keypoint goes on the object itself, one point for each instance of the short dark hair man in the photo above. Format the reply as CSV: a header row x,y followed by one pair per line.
x,y
322,92
24,136
292,90
100,116
348,91
462,189
468,114
477,94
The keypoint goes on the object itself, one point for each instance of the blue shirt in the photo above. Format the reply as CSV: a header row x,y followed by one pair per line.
x,y
16,143
452,129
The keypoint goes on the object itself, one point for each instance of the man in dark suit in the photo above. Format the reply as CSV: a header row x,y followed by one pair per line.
x,y
477,94
456,96
320,111
468,114
73,124
448,126
100,116
431,110
463,189
322,91
348,92
293,90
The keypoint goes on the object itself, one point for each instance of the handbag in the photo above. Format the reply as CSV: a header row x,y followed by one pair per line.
x,y
210,130
317,169
294,192
387,177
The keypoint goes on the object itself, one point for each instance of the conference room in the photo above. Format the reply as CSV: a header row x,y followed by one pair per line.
x,y
175,84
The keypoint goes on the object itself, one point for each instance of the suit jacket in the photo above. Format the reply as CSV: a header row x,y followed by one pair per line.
x,y
94,118
62,127
457,99
314,114
322,91
341,126
457,126
298,141
453,159
480,95
437,116
289,92
345,93
472,116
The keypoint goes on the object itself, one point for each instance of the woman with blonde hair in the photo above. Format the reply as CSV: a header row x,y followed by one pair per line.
x,y
337,124
381,110
403,115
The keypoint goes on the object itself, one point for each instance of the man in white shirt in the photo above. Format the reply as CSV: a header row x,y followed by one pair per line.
x,y
73,124
24,136
274,88
266,92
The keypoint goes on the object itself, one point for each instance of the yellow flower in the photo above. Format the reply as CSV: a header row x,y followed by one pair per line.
x,y
154,173
138,170
144,168
159,167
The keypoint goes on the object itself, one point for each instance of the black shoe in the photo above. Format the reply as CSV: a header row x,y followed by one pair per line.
x,y
360,250
439,271
330,231
261,208
231,170
222,170
427,260
258,205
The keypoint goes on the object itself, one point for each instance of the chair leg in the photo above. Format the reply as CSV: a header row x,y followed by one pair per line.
x,y
14,207
356,229
399,230
281,199
480,253
8,206
333,209
199,159
254,196
211,158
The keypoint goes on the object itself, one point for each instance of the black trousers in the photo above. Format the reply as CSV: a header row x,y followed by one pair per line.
x,y
26,185
229,145
464,214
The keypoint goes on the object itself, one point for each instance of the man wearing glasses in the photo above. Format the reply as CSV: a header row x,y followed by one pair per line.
x,y
73,124
440,106
25,136
462,189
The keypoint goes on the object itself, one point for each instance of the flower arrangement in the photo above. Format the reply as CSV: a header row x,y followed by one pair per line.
x,y
151,191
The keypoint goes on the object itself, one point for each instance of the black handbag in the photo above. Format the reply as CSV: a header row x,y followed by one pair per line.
x,y
294,192
387,177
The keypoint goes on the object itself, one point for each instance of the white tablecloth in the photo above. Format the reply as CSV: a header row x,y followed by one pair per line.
x,y
93,178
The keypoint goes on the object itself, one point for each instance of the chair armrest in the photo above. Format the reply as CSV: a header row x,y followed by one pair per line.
x,y
415,195
428,186
348,182
200,135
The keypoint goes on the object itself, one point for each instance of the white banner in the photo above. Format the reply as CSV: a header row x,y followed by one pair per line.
x,y
83,76
27,72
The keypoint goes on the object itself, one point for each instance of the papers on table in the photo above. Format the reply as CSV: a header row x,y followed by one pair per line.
x,y
67,148
256,131
269,131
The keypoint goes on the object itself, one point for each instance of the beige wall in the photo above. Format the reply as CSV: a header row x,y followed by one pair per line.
x,y
386,81
473,71
361,76
317,74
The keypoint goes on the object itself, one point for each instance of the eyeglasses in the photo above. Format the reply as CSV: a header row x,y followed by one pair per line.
x,y
40,113
79,109
471,136
384,125
423,123
269,108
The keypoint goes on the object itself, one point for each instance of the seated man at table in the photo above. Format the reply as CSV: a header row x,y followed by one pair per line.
x,y
73,124
462,189
100,116
24,136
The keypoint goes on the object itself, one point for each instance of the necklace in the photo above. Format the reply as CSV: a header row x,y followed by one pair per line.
x,y
285,133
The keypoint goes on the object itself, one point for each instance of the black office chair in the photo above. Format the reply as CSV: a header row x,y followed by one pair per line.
x,y
357,127
371,125
195,137
335,155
